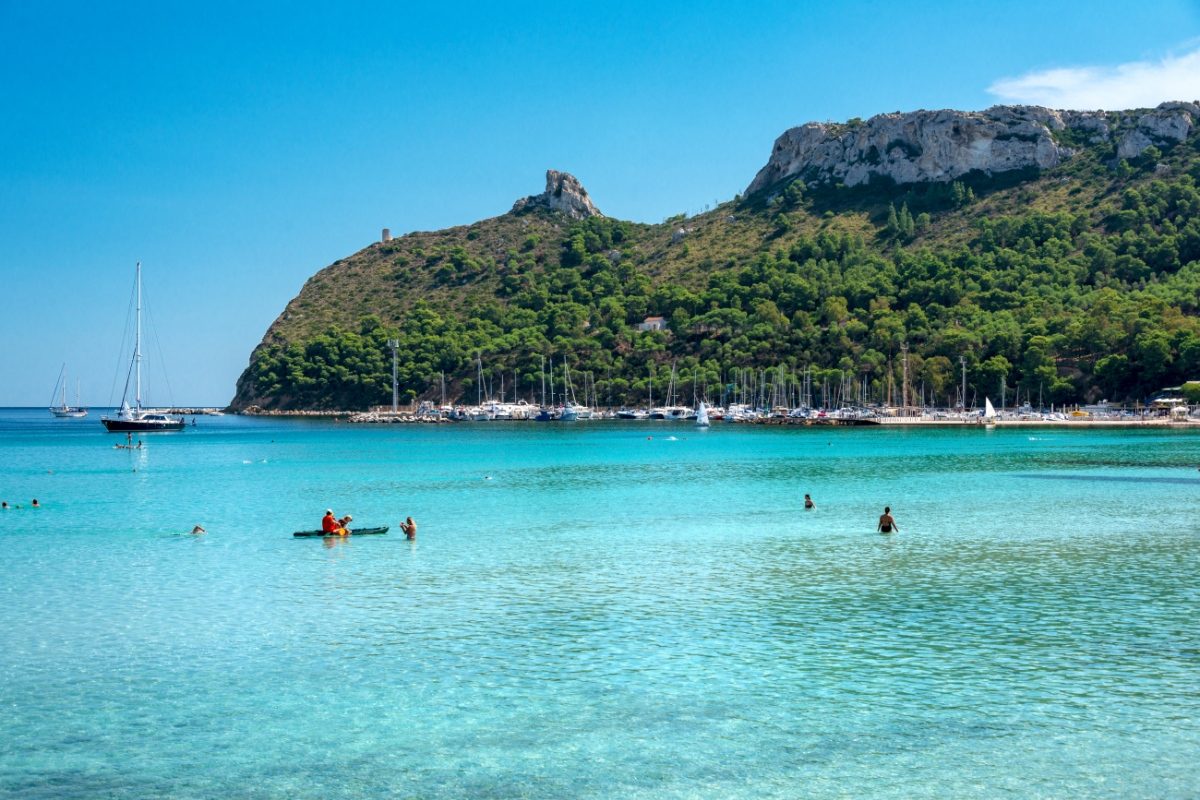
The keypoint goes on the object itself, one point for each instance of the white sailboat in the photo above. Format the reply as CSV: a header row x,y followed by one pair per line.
x,y
63,409
989,413
572,410
137,419
702,415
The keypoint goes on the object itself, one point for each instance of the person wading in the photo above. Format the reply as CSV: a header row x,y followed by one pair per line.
x,y
409,527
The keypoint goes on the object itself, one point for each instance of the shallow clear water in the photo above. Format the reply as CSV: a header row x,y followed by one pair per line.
x,y
591,612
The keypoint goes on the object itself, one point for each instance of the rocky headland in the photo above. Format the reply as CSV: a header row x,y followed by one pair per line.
x,y
922,146
1055,252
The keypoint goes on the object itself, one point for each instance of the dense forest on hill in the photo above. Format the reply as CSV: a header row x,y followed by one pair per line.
x,y
1074,284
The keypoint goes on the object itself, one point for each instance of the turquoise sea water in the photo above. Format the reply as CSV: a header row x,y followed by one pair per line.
x,y
589,612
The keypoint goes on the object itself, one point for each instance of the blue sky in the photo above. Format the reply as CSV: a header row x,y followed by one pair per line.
x,y
235,151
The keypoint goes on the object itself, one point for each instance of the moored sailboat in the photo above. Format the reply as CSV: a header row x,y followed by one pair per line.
x,y
63,409
135,419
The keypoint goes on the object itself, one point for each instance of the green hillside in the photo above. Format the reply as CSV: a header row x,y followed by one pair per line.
x,y
1079,282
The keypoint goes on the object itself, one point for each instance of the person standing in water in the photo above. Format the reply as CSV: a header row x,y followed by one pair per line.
x,y
409,527
886,523
808,503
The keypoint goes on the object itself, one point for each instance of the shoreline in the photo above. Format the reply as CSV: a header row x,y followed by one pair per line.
x,y
410,417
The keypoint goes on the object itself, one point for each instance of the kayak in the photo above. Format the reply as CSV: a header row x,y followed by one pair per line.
x,y
353,532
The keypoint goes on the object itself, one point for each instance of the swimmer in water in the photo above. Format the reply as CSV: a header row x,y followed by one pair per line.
x,y
808,502
199,529
886,523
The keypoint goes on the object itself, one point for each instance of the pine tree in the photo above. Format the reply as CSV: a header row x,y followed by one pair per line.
x,y
907,226
893,224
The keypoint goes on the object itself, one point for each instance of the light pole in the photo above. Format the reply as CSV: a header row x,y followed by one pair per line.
x,y
394,343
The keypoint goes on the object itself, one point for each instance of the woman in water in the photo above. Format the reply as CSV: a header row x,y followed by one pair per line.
x,y
886,523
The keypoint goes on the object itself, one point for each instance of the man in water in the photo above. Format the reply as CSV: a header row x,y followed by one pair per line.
x,y
199,529
808,503
886,523
409,527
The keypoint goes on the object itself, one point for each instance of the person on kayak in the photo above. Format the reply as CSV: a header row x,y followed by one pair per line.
x,y
329,523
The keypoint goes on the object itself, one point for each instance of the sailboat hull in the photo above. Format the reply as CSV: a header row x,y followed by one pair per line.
x,y
141,425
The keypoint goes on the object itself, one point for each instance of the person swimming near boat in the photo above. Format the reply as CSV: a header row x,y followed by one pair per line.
x,y
35,503
808,502
887,523
199,529
409,527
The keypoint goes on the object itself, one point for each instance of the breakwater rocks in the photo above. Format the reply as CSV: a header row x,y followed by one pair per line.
x,y
395,419
256,411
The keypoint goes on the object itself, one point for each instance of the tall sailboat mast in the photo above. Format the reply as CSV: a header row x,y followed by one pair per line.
x,y
137,341
129,420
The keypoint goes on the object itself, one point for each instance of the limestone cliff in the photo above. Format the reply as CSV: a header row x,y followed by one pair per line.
x,y
920,146
563,193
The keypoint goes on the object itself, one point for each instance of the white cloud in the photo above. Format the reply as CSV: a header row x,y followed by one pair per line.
x,y
1138,84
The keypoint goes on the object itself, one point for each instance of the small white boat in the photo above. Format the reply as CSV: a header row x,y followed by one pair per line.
x,y
989,413
740,412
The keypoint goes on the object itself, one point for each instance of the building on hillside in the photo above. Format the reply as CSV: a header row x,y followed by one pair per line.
x,y
652,324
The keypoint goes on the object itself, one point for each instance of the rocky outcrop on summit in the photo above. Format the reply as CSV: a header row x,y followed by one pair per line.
x,y
921,146
563,193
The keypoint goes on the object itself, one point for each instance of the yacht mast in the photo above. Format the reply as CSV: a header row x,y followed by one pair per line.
x,y
137,341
